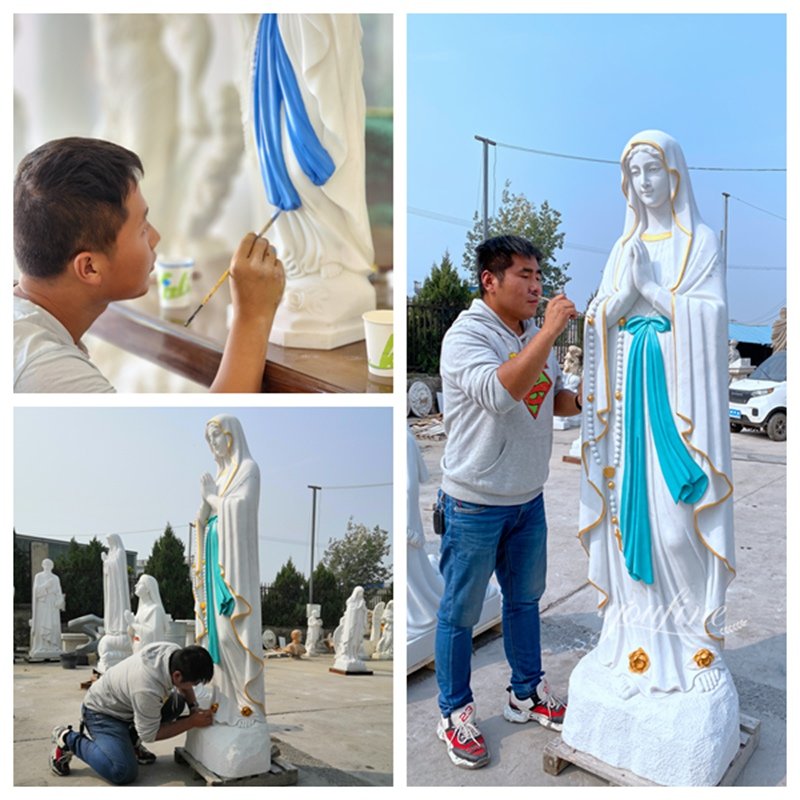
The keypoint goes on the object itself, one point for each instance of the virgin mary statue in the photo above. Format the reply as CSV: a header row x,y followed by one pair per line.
x,y
228,608
656,510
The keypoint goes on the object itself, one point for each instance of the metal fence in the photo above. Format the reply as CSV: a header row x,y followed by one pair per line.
x,y
427,325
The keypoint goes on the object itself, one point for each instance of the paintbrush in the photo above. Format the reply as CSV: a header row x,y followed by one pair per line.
x,y
227,272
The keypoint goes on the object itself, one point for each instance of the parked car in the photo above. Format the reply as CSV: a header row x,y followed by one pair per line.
x,y
759,401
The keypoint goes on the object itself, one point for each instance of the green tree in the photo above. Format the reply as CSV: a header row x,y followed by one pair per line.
x,y
518,215
329,595
442,297
80,570
167,564
284,604
358,558
444,286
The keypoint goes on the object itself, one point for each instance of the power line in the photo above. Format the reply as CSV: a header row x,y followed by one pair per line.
x,y
758,208
358,486
615,161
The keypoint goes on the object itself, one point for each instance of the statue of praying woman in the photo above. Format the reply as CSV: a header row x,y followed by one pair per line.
x,y
656,507
227,579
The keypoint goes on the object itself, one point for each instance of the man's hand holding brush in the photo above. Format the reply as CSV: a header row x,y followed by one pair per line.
x,y
257,282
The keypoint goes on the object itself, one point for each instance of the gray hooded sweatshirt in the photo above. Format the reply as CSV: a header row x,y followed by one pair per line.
x,y
135,689
498,449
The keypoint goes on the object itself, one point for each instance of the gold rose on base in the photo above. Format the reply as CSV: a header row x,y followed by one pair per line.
x,y
703,658
638,661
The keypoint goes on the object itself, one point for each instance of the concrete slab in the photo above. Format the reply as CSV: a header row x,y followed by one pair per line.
x,y
336,730
756,645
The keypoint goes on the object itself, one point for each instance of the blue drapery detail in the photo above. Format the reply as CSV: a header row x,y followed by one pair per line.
x,y
685,480
275,87
218,599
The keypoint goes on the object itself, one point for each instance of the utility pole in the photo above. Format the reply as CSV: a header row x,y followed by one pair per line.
x,y
725,232
314,490
486,142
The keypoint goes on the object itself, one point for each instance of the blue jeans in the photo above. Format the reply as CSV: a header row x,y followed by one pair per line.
x,y
477,541
109,751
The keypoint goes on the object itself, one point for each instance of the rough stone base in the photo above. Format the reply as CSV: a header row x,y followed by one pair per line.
x,y
676,739
231,752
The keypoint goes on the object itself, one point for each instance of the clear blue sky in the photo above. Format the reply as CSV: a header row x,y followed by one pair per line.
x,y
83,472
583,85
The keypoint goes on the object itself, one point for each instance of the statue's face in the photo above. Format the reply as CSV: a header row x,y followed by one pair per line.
x,y
649,178
217,441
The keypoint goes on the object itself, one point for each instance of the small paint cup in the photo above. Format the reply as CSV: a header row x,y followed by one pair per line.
x,y
174,279
379,334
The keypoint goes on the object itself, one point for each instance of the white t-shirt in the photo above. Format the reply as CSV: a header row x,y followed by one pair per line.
x,y
46,359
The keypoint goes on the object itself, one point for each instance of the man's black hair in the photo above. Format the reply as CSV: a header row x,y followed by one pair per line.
x,y
194,663
69,196
496,255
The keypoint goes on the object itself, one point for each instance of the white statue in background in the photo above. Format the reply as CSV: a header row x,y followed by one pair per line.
x,y
384,649
353,626
47,603
374,618
656,509
314,632
228,607
325,243
115,644
151,622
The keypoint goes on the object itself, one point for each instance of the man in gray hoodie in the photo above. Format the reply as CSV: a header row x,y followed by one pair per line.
x,y
501,385
140,698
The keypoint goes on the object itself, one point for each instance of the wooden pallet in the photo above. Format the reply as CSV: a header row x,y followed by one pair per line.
x,y
281,772
558,756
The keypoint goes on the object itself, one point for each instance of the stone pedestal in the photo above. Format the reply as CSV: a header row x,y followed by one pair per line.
x,y
675,739
231,752
350,666
321,314
111,649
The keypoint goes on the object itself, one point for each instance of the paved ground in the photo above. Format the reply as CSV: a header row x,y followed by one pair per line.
x,y
755,652
337,730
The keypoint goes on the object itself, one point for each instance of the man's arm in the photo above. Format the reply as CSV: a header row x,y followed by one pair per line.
x,y
257,282
520,373
565,403
201,718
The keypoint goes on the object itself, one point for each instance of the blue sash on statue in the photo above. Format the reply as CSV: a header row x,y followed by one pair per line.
x,y
218,599
275,87
684,478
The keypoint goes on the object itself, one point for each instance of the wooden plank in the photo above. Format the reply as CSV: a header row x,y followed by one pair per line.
x,y
557,756
281,772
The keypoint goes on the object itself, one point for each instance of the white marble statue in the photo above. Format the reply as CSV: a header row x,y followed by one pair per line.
x,y
314,632
424,582
374,618
325,244
572,372
656,512
115,645
47,603
384,649
228,608
151,622
353,626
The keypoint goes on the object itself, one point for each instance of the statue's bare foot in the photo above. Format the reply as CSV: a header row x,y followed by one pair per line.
x,y
708,680
624,687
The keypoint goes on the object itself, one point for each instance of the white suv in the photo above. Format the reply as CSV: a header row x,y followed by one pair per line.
x,y
759,401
